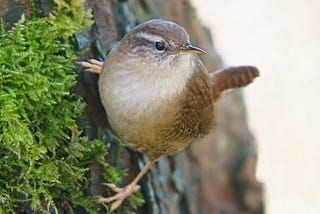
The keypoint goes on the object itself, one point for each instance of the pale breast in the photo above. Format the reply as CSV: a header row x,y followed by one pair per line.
x,y
157,114
138,104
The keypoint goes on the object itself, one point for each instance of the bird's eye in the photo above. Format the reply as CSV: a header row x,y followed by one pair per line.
x,y
159,46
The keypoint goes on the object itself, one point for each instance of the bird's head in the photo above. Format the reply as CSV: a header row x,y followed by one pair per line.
x,y
158,42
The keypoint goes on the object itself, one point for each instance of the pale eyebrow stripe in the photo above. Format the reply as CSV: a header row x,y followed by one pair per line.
x,y
148,37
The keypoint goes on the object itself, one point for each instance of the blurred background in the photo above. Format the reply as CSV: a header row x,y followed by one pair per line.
x,y
282,38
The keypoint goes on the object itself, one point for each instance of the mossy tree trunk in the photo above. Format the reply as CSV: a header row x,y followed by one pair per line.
x,y
213,175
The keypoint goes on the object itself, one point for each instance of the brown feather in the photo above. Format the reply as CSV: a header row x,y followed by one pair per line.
x,y
232,77
195,116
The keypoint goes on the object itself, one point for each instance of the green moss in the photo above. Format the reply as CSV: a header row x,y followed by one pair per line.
x,y
43,158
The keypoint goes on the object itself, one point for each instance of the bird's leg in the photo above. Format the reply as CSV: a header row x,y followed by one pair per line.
x,y
94,66
123,193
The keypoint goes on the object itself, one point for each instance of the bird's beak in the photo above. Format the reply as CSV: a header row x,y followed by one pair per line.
x,y
187,48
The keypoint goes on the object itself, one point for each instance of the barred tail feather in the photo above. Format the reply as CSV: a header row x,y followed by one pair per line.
x,y
232,77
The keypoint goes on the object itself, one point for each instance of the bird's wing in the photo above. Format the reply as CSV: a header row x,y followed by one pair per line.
x,y
196,112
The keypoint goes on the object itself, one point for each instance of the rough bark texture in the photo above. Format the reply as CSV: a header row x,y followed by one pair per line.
x,y
213,175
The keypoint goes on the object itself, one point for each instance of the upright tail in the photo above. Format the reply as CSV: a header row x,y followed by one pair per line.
x,y
232,77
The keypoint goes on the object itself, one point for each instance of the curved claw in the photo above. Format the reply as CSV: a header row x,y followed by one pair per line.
x,y
115,205
121,194
94,66
113,187
96,62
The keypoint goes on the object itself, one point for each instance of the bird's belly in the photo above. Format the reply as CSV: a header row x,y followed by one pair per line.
x,y
138,109
137,119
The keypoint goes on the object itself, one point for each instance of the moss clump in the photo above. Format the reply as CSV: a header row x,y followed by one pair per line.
x,y
43,158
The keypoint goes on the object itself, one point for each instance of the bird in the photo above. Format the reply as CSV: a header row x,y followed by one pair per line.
x,y
157,93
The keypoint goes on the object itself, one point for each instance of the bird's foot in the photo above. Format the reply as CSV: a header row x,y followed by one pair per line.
x,y
94,66
121,194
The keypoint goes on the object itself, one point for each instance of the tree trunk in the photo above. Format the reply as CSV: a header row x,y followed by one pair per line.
x,y
213,175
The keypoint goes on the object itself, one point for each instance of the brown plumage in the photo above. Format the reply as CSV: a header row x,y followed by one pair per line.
x,y
232,77
194,118
157,93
